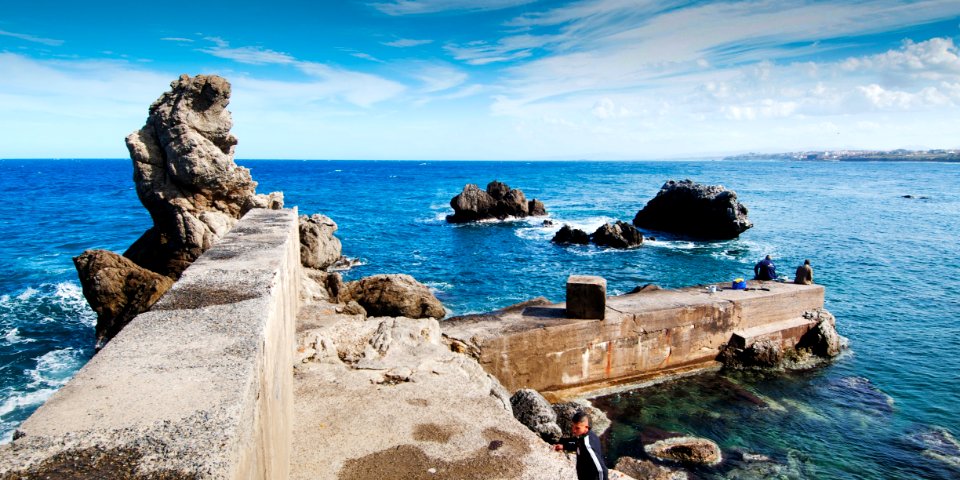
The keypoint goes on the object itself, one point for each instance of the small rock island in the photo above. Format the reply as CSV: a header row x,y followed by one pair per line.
x,y
709,212
499,201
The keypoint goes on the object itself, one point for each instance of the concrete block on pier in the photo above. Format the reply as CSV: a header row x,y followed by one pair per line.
x,y
586,296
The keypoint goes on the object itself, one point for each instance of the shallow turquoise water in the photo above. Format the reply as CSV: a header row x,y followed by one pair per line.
x,y
891,267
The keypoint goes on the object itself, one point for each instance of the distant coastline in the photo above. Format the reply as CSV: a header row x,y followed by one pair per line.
x,y
856,156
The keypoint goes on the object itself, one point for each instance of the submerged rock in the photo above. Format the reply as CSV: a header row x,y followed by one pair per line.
x,y
534,411
685,450
688,208
939,444
117,289
570,235
185,175
498,201
395,295
617,235
647,470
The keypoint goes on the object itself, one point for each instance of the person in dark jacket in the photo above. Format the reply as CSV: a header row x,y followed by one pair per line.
x,y
765,269
590,464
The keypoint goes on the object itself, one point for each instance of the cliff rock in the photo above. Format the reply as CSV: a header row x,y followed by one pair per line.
x,y
685,450
701,211
319,249
617,235
117,289
498,201
534,411
823,340
396,295
185,175
570,235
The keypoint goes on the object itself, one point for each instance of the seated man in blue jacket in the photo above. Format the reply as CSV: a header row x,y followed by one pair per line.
x,y
590,464
765,269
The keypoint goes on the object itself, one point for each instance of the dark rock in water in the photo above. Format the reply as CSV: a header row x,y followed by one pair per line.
x,y
649,287
396,295
319,249
863,395
498,201
647,470
823,340
185,175
569,235
688,208
534,411
938,443
908,196
565,411
548,223
818,345
617,235
685,450
117,289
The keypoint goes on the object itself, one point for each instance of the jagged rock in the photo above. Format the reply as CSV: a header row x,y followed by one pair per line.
x,y
685,450
647,470
534,411
396,295
318,247
117,289
760,354
688,208
567,234
823,340
617,235
186,177
565,411
498,201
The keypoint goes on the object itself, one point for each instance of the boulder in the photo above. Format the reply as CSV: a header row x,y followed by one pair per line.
x,y
498,201
185,175
617,235
823,340
565,411
685,450
395,295
647,470
319,249
703,211
760,354
568,235
117,289
534,411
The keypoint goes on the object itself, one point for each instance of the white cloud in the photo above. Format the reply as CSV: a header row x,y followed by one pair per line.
x,y
32,38
436,78
177,39
416,7
366,56
407,42
249,55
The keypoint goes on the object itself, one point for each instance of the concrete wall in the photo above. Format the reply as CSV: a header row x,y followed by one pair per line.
x,y
200,386
644,335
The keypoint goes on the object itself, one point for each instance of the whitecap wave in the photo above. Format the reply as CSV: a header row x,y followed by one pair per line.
x,y
24,400
54,368
27,294
13,337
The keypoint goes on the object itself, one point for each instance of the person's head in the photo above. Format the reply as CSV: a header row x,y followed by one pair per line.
x,y
806,262
580,424
768,257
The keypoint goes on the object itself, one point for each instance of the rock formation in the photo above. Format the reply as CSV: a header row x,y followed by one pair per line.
x,y
611,235
394,296
685,450
647,470
498,201
617,235
598,420
702,211
534,411
117,289
185,175
186,178
319,249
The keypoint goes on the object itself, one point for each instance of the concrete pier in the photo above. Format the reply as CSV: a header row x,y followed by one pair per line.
x,y
642,336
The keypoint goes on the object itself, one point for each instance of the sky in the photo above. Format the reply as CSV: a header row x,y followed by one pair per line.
x,y
490,80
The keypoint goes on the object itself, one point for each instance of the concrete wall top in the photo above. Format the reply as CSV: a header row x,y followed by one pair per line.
x,y
183,389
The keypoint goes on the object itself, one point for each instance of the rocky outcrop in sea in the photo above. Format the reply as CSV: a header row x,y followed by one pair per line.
x,y
702,211
395,295
612,235
499,201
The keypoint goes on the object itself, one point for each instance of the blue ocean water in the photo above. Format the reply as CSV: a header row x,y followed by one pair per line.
x,y
891,267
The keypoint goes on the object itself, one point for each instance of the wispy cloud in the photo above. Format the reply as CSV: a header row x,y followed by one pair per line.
x,y
177,39
366,56
249,55
32,38
416,7
407,42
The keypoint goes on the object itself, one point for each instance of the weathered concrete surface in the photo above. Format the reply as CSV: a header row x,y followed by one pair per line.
x,y
198,387
382,397
586,297
643,336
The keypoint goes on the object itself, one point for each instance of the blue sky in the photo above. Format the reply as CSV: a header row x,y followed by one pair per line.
x,y
497,79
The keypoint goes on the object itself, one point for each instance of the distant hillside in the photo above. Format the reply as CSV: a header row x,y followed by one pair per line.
x,y
857,156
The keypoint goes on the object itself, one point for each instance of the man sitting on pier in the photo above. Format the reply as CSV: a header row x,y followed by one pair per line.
x,y
765,269
590,464
804,274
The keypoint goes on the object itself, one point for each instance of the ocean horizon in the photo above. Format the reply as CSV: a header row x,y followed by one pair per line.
x,y
885,409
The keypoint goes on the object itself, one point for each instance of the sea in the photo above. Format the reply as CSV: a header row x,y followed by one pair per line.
x,y
882,238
